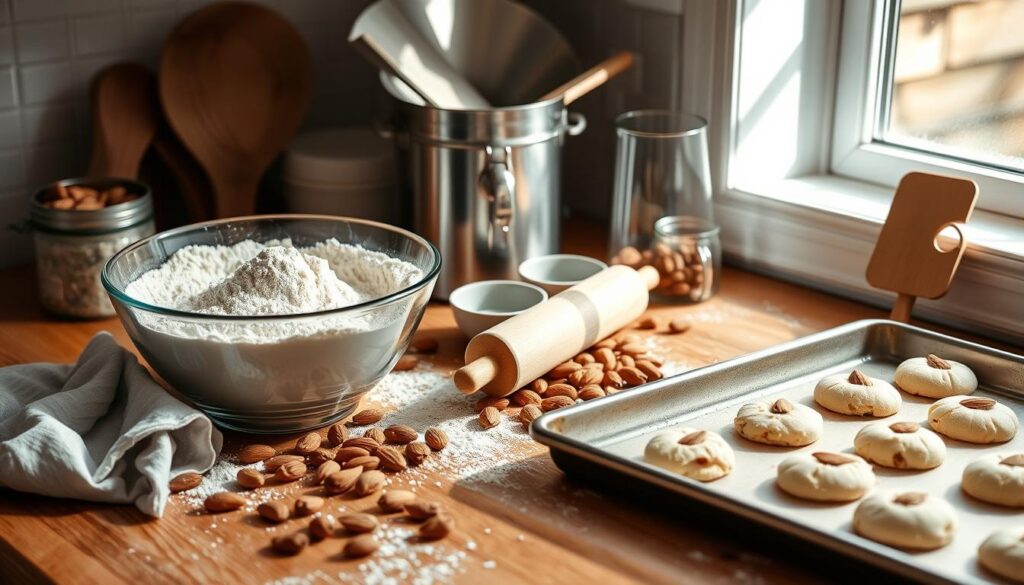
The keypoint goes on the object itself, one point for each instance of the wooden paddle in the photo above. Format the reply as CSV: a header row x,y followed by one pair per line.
x,y
591,79
907,258
235,83
125,116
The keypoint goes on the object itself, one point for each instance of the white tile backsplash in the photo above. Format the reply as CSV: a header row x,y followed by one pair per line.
x,y
99,34
49,82
12,170
8,89
48,124
10,129
42,41
6,45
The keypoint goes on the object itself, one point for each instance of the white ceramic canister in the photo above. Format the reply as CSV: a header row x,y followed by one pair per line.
x,y
342,171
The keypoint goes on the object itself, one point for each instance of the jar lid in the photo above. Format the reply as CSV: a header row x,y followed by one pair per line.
x,y
108,219
353,156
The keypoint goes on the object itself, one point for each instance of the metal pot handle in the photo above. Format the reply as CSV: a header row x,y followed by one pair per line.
x,y
498,185
575,124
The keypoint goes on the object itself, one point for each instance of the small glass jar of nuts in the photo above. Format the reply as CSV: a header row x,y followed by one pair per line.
x,y
688,255
77,225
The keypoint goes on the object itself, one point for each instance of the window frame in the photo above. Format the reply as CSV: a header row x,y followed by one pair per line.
x,y
860,93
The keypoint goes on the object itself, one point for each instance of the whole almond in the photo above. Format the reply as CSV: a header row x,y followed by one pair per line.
x,y
612,378
274,511
563,370
368,443
406,363
367,463
539,385
418,510
436,438
497,402
910,498
978,403
605,344
326,469
781,406
591,392
250,478
627,339
359,523
524,397
271,465
337,434
605,356
647,323
395,500
1015,460
904,427
290,471
318,457
859,378
342,481
376,434
649,369
308,443
556,402
694,438
561,390
322,527
489,417
585,377
632,376
185,481
360,546
832,458
253,453
424,345
223,502
678,326
416,453
367,416
308,505
625,361
369,482
400,434
584,358
290,544
345,453
437,527
633,349
391,459
528,413
937,362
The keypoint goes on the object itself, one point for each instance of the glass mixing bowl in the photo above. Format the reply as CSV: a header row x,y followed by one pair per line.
x,y
312,375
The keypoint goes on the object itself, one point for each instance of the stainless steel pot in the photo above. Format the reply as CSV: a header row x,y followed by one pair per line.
x,y
485,185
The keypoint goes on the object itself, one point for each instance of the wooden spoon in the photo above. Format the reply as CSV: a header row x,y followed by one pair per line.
x,y
591,79
235,83
125,116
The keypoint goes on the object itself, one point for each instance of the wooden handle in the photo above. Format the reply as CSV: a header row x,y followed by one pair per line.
x,y
901,310
476,374
591,79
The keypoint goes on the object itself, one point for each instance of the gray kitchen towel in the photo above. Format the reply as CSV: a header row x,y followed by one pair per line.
x,y
100,429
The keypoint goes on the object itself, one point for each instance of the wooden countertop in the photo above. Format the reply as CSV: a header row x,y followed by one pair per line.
x,y
537,526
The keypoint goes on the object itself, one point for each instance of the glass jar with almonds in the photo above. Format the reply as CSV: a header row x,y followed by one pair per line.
x,y
77,225
688,255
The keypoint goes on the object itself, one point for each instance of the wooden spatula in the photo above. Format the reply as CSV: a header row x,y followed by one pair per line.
x,y
591,79
125,116
907,259
235,83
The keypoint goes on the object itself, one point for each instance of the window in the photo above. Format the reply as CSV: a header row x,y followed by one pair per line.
x,y
939,86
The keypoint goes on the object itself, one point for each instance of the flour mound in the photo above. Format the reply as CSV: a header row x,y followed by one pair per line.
x,y
278,281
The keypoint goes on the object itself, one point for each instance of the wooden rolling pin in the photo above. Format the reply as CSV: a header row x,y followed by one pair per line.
x,y
515,352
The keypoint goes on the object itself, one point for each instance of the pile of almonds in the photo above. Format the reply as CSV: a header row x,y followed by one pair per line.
x,y
682,271
83,198
342,464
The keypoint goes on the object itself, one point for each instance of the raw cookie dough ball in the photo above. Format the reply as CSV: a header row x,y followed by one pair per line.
x,y
973,419
697,454
857,394
997,478
1003,553
935,377
825,477
778,422
903,445
911,520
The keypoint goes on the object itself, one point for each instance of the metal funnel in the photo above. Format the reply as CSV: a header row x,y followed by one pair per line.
x,y
507,52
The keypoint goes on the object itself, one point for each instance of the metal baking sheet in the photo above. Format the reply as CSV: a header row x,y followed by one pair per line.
x,y
612,432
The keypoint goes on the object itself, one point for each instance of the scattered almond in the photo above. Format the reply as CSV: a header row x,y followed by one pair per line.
x,y
395,500
613,379
360,546
1015,460
584,377
626,361
489,417
528,413
937,362
649,369
367,416
605,344
694,438
345,453
561,390
324,470
274,511
632,376
290,471
498,402
253,453
342,481
271,465
337,434
781,406
540,385
436,438
368,443
322,527
424,345
556,402
359,523
605,356
250,478
308,505
290,544
910,498
904,427
400,434
647,323
368,462
406,363
416,453
678,326
308,443
857,377
185,481
591,392
524,397
376,434
391,459
223,502
978,403
418,510
369,482
318,457
584,358
832,458
563,370
633,349
437,527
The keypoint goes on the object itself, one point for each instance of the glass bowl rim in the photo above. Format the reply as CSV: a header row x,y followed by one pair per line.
x,y
123,297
